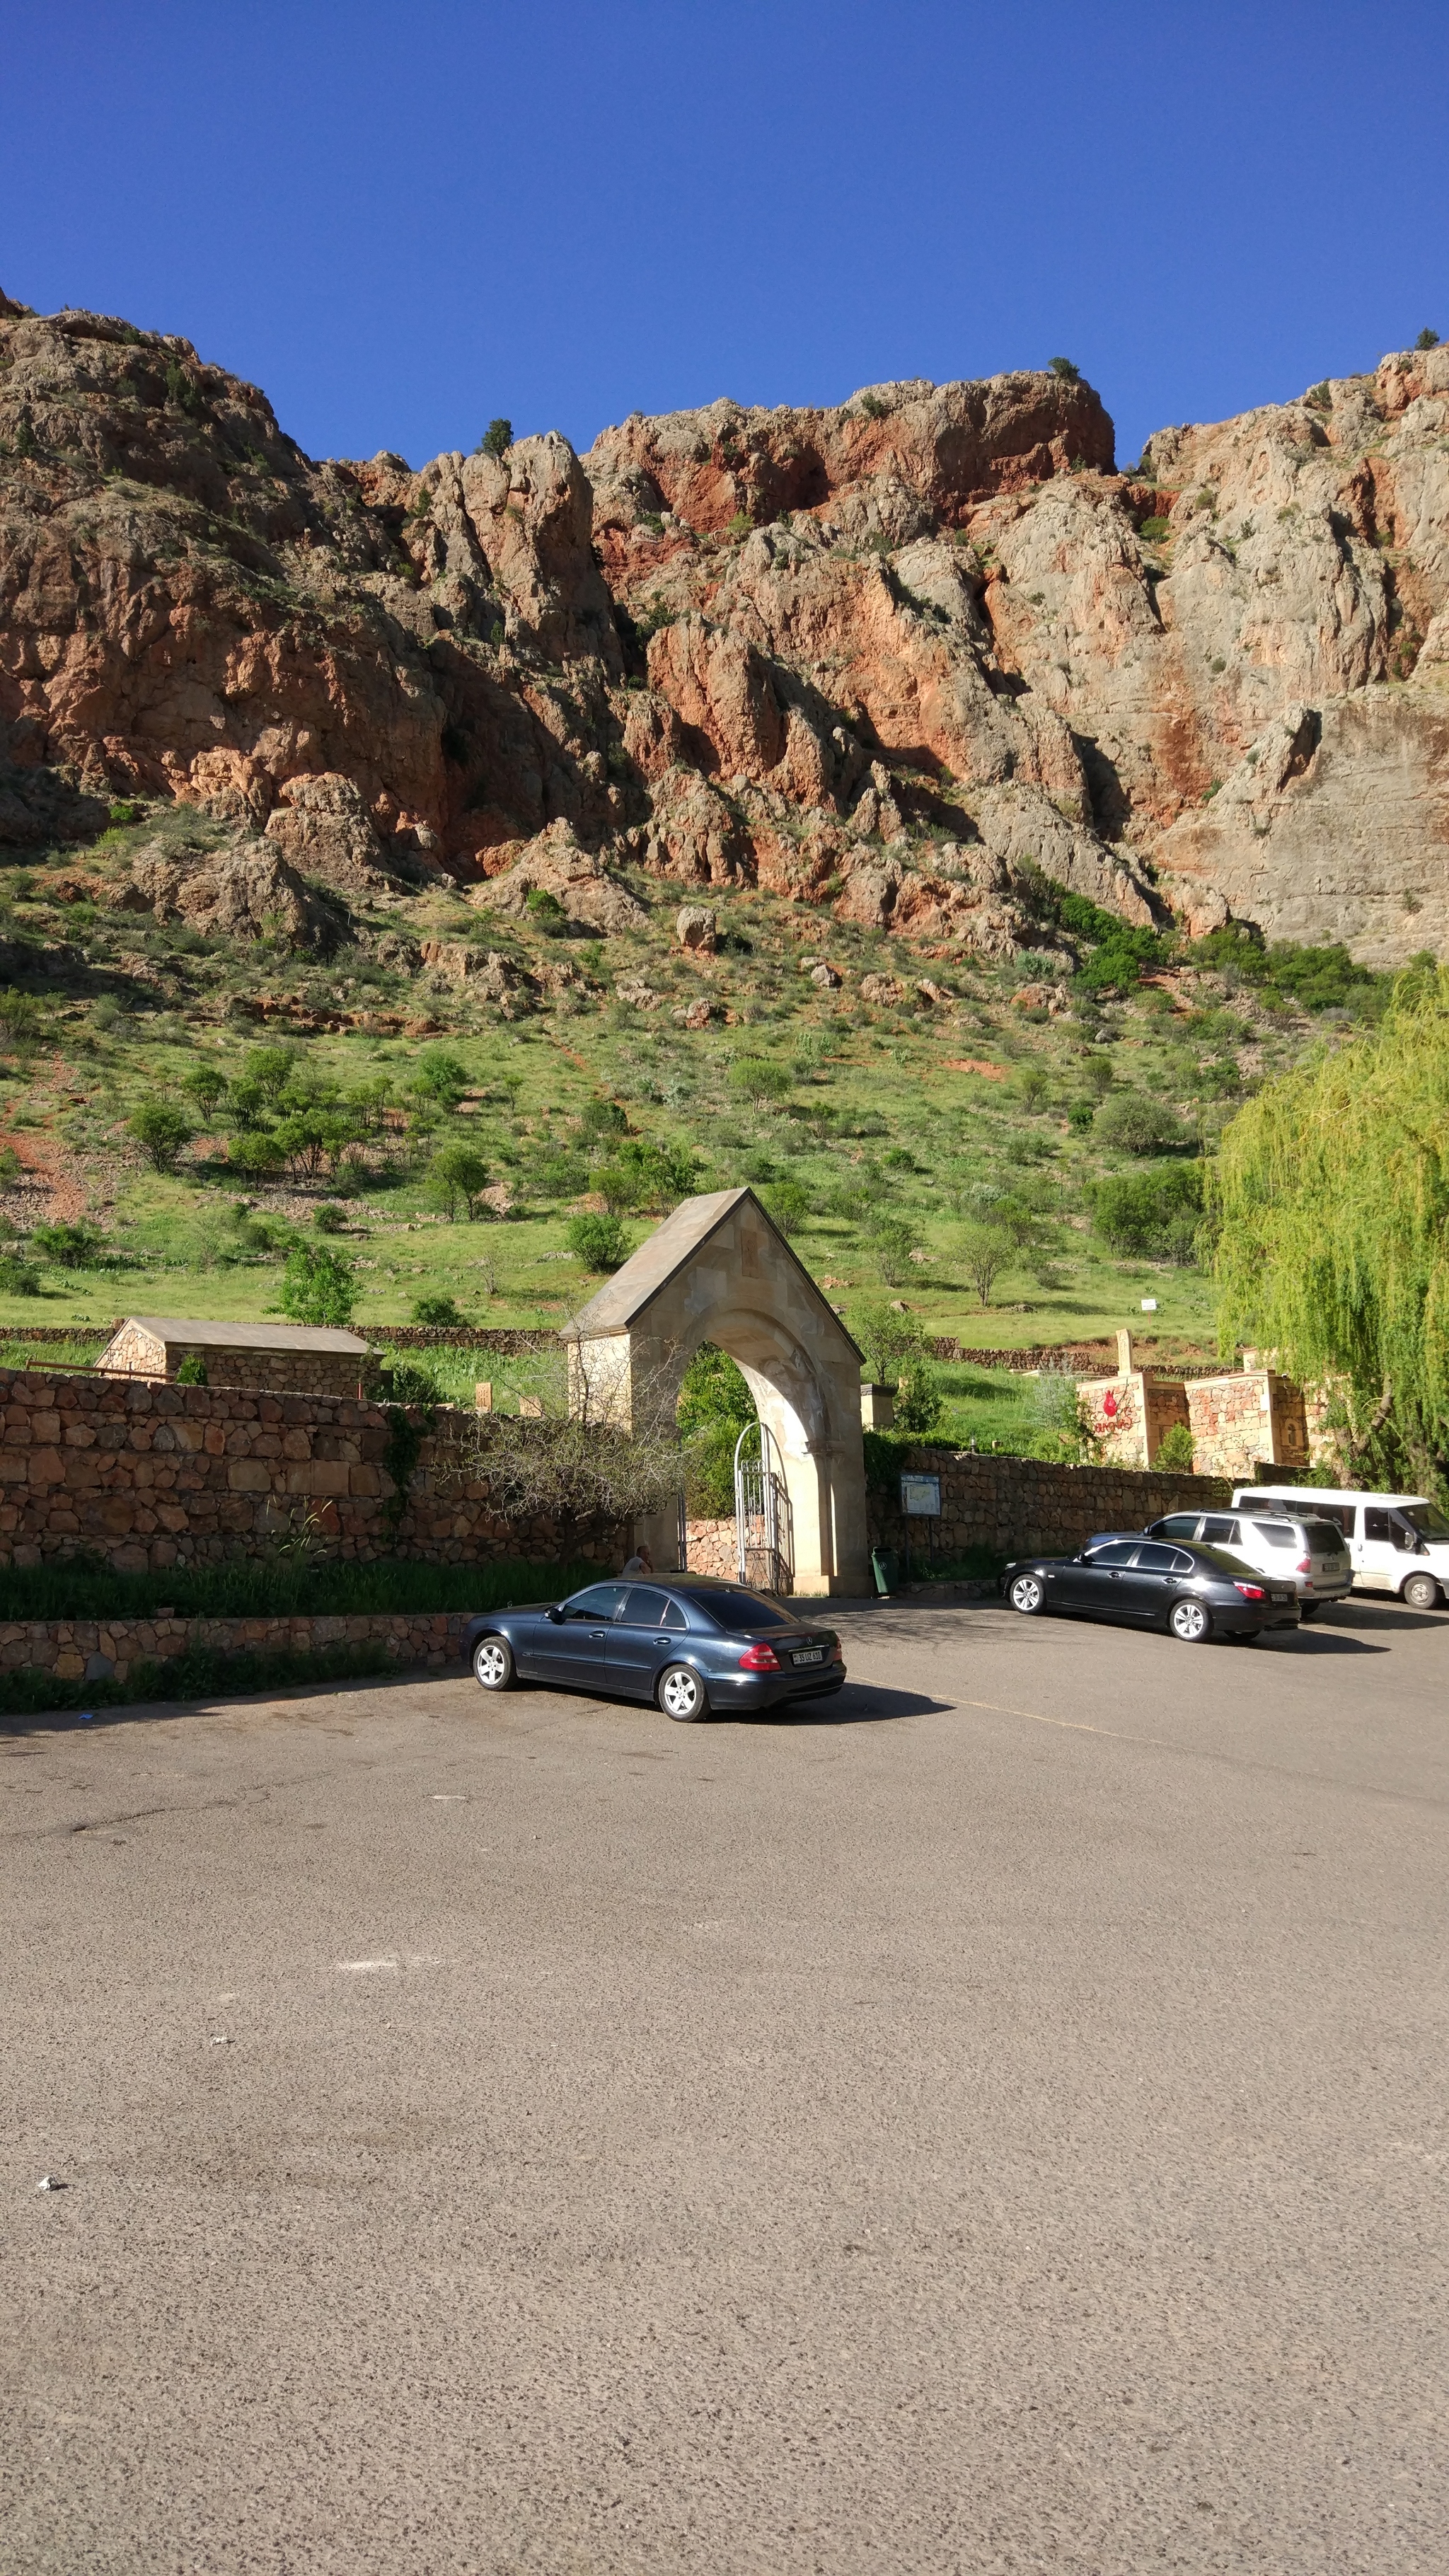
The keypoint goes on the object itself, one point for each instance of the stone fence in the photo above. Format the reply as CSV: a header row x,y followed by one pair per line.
x,y
1019,1506
1073,1359
155,1475
105,1649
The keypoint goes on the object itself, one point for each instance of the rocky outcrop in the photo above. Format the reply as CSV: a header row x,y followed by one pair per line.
x,y
898,659
190,607
40,805
245,891
912,453
577,879
324,828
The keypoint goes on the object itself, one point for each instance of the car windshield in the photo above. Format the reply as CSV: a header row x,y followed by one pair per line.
x,y
1427,1521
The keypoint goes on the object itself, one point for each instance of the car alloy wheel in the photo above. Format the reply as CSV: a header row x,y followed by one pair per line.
x,y
681,1693
1421,1592
1028,1595
1189,1621
493,1663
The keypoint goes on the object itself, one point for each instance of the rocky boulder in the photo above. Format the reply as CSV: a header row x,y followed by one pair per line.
x,y
246,891
324,828
555,863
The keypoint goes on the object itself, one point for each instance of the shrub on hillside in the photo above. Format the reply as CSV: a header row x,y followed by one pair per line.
x,y
441,1311
597,1240
755,1078
891,1241
440,1075
457,1177
983,1252
1134,1123
69,1247
161,1132
787,1202
1156,1212
17,1279
318,1286
645,1174
546,912
497,438
602,1120
206,1085
1317,978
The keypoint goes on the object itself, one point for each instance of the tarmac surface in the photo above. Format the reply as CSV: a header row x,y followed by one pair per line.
x,y
991,2121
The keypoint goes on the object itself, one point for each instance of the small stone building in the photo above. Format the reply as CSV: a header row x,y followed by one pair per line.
x,y
1131,1414
1250,1418
281,1359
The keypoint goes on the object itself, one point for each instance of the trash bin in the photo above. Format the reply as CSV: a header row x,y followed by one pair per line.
x,y
886,1567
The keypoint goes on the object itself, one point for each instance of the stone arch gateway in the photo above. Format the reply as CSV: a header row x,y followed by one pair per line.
x,y
719,1271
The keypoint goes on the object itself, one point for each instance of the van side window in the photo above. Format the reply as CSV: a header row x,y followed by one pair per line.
x,y
1376,1523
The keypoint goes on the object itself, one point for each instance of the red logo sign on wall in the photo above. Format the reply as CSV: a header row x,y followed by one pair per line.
x,y
1109,1405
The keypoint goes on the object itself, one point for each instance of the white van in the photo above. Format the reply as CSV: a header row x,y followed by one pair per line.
x,y
1398,1542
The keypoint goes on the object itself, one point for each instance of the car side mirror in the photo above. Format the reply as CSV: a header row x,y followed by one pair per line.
x,y
555,1614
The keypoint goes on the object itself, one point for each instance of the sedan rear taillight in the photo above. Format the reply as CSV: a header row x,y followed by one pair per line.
x,y
1251,1591
760,1658
837,1652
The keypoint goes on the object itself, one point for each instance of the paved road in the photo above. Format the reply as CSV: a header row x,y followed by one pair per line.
x,y
997,2123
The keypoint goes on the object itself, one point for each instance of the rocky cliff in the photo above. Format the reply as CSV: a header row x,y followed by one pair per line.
x,y
894,659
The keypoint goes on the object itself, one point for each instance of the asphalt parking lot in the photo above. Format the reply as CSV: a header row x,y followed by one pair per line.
x,y
992,2121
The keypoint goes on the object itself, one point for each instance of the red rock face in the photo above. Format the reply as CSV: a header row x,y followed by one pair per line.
x,y
900,657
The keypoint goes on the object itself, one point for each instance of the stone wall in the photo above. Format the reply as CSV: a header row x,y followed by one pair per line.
x,y
105,1649
1130,1415
712,1547
150,1474
1239,1422
1022,1506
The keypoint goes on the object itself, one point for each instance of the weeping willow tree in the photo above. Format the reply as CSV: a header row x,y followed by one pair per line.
x,y
1331,1200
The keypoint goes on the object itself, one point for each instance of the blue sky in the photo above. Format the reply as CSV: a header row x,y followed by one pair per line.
x,y
401,221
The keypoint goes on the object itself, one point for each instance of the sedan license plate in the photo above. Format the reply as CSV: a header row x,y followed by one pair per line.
x,y
811,1655
1279,1596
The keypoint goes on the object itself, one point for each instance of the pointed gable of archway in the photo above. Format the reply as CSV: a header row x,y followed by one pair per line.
x,y
719,1270
717,1224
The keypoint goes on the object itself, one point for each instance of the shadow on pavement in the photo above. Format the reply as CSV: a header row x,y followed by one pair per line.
x,y
859,1704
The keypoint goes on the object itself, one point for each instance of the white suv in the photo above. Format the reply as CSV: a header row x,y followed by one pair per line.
x,y
1308,1552
1396,1542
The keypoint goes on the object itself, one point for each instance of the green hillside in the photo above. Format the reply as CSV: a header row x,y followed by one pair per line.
x,y
909,1145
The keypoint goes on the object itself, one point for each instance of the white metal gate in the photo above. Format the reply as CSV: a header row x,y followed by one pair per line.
x,y
763,1525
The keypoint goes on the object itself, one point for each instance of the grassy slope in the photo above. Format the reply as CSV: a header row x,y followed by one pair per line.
x,y
876,1117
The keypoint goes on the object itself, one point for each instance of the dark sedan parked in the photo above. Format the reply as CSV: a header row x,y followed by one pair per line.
x,y
1193,1592
691,1645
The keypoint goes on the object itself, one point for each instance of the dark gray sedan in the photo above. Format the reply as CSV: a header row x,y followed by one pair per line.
x,y
691,1645
1192,1592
